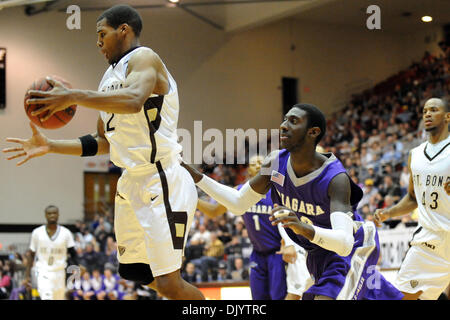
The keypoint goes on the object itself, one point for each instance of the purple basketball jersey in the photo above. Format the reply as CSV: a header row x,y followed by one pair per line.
x,y
308,195
352,277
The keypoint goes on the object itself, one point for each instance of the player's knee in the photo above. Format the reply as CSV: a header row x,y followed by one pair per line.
x,y
138,272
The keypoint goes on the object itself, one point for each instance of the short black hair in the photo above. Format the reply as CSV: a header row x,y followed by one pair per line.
x,y
123,13
51,207
316,118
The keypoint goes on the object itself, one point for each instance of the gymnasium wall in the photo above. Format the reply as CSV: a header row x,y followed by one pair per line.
x,y
225,80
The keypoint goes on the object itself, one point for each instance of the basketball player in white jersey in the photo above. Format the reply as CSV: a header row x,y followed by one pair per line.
x,y
138,103
425,271
50,246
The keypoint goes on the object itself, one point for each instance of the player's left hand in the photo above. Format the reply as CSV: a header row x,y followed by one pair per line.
x,y
289,255
289,221
57,99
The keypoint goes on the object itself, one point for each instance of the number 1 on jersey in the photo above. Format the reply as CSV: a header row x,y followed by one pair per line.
x,y
257,224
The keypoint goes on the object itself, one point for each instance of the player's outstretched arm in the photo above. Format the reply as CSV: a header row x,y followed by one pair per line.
x,y
39,145
144,69
405,206
212,210
237,201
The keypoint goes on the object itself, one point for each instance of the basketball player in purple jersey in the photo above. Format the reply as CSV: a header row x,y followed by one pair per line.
x,y
268,273
316,191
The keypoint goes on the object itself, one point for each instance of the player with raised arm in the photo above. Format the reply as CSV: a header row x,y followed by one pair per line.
x,y
50,246
425,271
320,199
138,103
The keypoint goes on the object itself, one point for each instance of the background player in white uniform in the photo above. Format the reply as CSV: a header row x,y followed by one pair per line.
x,y
425,271
50,245
138,104
298,279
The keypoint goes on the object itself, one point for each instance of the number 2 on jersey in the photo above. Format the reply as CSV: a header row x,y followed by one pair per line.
x,y
108,124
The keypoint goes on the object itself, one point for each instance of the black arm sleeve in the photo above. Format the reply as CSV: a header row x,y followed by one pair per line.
x,y
73,256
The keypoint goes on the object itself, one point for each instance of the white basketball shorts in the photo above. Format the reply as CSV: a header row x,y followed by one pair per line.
x,y
426,266
298,279
154,208
51,285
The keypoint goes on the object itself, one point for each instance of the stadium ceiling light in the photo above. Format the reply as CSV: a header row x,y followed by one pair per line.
x,y
427,19
174,1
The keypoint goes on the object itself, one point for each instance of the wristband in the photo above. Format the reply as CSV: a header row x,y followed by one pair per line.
x,y
89,145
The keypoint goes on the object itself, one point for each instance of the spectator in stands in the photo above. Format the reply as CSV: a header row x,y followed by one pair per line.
x,y
111,252
404,180
388,170
190,273
96,282
87,236
5,282
83,289
369,191
194,250
375,202
214,252
79,241
91,258
208,263
246,246
110,287
233,249
203,236
364,211
389,188
223,274
100,236
224,230
240,273
238,227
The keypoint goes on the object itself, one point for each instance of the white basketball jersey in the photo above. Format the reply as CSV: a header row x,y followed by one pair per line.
x,y
139,139
431,170
51,253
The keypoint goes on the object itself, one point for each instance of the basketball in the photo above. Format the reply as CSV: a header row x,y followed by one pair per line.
x,y
60,118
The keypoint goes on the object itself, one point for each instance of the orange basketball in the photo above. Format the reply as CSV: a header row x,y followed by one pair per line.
x,y
60,118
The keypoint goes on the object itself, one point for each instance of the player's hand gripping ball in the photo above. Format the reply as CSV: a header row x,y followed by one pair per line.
x,y
57,120
281,213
